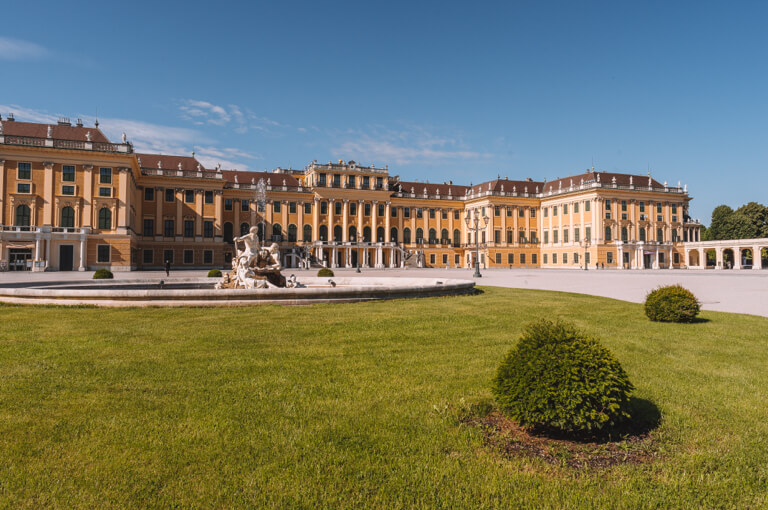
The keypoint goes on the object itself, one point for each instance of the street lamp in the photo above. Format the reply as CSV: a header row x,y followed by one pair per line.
x,y
585,242
473,223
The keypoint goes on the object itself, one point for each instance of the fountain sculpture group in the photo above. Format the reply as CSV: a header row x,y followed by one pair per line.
x,y
256,266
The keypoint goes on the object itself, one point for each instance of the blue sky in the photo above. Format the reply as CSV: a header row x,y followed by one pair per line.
x,y
437,90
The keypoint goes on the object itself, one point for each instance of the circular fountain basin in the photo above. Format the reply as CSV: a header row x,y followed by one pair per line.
x,y
201,291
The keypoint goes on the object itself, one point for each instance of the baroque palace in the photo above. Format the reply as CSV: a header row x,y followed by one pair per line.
x,y
70,199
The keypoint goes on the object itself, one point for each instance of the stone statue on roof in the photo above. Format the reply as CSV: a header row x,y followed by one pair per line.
x,y
159,164
50,132
88,135
125,137
630,180
179,165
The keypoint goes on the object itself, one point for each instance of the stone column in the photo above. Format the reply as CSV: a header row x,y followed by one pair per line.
x,y
737,257
199,197
284,219
123,202
300,222
360,210
400,225
218,200
48,194
374,218
702,258
757,259
179,216
387,222
315,219
345,222
88,195
83,232
158,213
515,234
236,221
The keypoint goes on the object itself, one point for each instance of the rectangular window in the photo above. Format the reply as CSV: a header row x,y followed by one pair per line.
x,y
207,257
554,258
522,258
498,258
379,182
659,217
545,258
321,180
510,258
366,182
208,197
367,209
189,196
509,211
189,228
521,212
336,180
337,207
609,257
149,194
208,228
674,208
533,213
228,204
510,236
623,216
432,258
497,211
575,208
168,256
393,212
624,206
642,207
381,210
24,171
189,256
555,235
323,208
432,214
607,205
658,208
677,258
276,206
587,206
245,205
308,207
445,259
168,230
457,260
546,212
406,212
149,227
149,256
565,258
576,237
497,236
169,195
456,214
565,235
444,214
67,190
554,210
102,255
291,207
105,176
565,208
350,181
68,173
105,192
587,232
546,236
353,208
419,212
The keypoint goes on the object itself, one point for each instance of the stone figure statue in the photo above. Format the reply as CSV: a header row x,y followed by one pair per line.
x,y
256,266
50,132
88,135
125,138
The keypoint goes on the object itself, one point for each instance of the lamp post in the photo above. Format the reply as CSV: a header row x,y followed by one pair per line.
x,y
358,237
473,223
585,242
261,200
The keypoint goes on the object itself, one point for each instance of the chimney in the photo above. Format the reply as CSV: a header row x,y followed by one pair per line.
x,y
64,121
79,122
10,117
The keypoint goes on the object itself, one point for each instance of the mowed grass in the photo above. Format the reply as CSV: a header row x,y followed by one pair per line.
x,y
333,406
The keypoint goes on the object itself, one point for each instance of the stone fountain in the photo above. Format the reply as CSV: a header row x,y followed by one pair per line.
x,y
256,267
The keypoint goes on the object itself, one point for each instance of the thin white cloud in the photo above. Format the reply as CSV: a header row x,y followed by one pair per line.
x,y
195,110
413,145
16,49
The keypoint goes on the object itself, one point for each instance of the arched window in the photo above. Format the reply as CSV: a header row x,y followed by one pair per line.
x,y
323,232
68,217
353,234
366,234
22,216
406,235
307,233
607,233
292,230
393,235
659,235
380,235
228,233
277,232
419,235
244,228
457,237
624,235
444,238
432,236
105,219
642,234
337,232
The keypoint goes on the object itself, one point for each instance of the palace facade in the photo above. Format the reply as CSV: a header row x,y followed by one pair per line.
x,y
71,199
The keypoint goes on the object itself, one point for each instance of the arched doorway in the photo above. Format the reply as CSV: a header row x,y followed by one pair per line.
x,y
366,234
693,258
323,232
380,235
307,233
393,235
728,258
337,233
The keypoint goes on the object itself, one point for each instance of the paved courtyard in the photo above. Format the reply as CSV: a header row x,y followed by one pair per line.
x,y
744,291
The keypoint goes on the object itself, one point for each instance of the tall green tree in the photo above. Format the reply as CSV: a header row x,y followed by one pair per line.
x,y
747,222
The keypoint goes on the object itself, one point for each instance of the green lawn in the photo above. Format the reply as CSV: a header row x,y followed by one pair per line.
x,y
333,406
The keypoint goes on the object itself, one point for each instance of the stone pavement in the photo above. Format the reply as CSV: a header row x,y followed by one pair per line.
x,y
744,291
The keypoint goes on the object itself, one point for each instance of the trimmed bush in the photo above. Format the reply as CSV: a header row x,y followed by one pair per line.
x,y
325,272
214,273
103,274
558,379
672,303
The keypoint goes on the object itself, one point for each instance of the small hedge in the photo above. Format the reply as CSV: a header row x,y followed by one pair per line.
x,y
214,273
325,272
672,303
103,274
558,379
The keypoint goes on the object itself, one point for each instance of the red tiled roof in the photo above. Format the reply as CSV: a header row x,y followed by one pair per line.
x,y
58,132
432,189
168,162
245,177
605,178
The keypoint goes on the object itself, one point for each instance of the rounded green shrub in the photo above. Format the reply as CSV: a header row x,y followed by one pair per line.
x,y
672,303
558,379
103,274
214,273
325,272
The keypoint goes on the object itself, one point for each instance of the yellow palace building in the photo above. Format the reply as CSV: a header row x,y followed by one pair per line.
x,y
71,199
